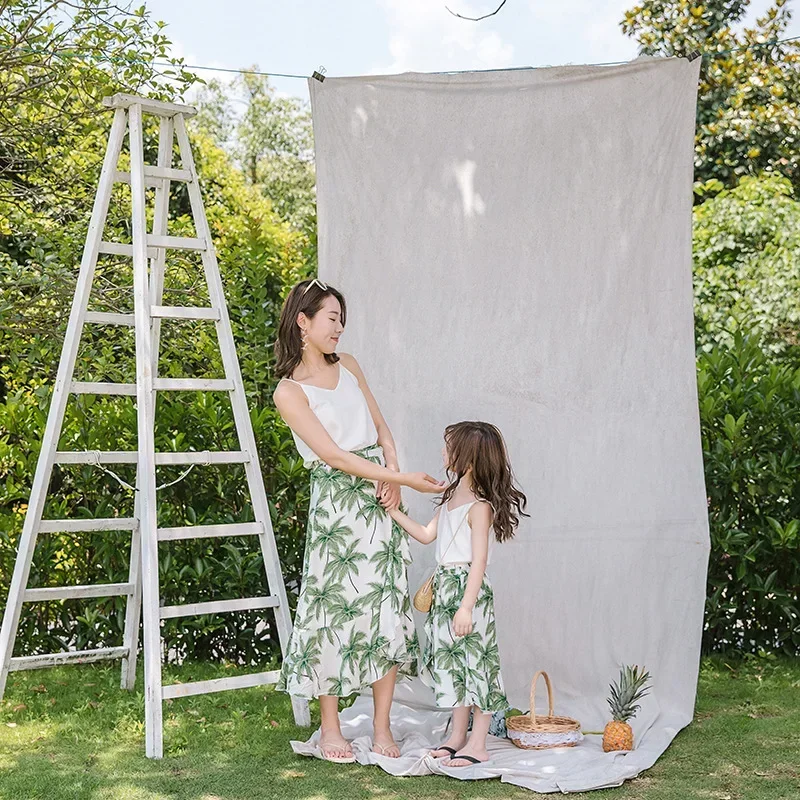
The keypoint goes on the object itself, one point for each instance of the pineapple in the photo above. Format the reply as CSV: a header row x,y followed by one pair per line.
x,y
631,687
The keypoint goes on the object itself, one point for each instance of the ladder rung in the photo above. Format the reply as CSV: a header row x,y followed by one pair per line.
x,y
176,242
218,606
193,384
158,107
208,531
109,318
154,175
70,592
72,656
184,312
162,459
86,525
219,684
85,387
121,249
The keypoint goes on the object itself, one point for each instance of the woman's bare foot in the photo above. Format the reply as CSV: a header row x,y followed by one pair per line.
x,y
469,750
334,745
385,744
454,743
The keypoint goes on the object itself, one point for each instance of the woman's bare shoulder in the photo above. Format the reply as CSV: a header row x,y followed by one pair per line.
x,y
350,362
287,392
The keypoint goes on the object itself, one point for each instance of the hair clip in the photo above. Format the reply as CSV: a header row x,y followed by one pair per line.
x,y
319,283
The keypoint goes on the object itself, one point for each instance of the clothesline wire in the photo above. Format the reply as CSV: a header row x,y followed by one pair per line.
x,y
133,60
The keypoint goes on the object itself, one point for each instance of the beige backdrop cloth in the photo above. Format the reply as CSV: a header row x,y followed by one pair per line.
x,y
515,247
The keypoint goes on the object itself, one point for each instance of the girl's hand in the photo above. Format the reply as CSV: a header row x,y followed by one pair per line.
x,y
389,495
462,622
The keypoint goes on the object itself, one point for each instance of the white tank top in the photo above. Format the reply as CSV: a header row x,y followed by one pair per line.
x,y
343,412
455,521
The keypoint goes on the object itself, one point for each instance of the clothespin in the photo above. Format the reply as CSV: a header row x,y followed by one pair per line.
x,y
319,74
693,55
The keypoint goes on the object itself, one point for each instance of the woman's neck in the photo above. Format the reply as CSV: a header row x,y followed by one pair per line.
x,y
312,363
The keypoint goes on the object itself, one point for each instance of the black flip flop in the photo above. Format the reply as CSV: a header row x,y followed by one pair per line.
x,y
471,759
450,750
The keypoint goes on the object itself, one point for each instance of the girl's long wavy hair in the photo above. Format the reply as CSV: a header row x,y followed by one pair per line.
x,y
481,446
289,344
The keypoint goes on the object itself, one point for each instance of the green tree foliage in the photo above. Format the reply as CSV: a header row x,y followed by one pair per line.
x,y
750,416
747,109
48,187
271,139
747,264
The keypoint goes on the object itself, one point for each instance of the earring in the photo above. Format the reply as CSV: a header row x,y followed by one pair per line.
x,y
304,338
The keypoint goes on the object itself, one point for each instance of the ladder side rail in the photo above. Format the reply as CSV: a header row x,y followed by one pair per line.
x,y
58,402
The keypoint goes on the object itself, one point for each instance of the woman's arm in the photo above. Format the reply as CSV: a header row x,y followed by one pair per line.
x,y
480,519
292,404
385,438
422,533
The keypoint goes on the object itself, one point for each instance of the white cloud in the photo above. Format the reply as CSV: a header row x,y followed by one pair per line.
x,y
587,31
424,36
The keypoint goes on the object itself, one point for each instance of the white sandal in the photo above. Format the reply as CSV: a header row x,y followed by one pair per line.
x,y
336,759
384,749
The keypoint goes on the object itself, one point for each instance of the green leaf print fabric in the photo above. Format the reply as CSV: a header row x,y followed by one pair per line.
x,y
353,620
462,670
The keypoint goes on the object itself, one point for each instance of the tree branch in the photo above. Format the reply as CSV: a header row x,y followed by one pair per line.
x,y
478,19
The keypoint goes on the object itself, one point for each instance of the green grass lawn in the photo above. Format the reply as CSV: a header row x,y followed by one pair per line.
x,y
70,732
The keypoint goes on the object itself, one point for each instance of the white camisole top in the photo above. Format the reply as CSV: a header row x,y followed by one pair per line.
x,y
455,521
343,412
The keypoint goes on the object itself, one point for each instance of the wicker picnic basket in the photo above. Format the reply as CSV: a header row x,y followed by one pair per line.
x,y
538,733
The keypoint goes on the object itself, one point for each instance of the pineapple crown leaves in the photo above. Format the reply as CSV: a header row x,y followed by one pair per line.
x,y
631,687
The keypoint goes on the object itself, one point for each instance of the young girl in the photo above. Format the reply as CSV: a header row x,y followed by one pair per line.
x,y
460,661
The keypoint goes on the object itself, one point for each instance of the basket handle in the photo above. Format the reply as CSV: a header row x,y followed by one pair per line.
x,y
533,695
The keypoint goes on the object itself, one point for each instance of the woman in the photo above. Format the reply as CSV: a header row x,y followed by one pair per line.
x,y
353,626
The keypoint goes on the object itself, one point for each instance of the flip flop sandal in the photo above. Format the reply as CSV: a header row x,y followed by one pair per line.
x,y
471,759
335,759
450,750
384,749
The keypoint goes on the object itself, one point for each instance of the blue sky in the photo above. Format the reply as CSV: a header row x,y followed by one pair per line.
x,y
359,37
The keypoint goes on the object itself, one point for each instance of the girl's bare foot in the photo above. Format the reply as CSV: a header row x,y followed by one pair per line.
x,y
472,754
450,747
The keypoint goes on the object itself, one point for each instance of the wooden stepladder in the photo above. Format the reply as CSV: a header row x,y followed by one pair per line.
x,y
142,587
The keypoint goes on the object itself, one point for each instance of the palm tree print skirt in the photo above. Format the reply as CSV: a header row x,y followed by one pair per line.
x,y
462,670
353,621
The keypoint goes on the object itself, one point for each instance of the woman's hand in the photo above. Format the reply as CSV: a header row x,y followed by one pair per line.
x,y
422,482
462,622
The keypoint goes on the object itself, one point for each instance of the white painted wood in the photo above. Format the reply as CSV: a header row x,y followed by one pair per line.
x,y
210,531
154,175
220,684
122,249
133,606
184,312
142,587
176,242
87,525
244,428
162,459
68,657
146,446
218,606
103,317
55,416
148,105
193,384
71,592
85,387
